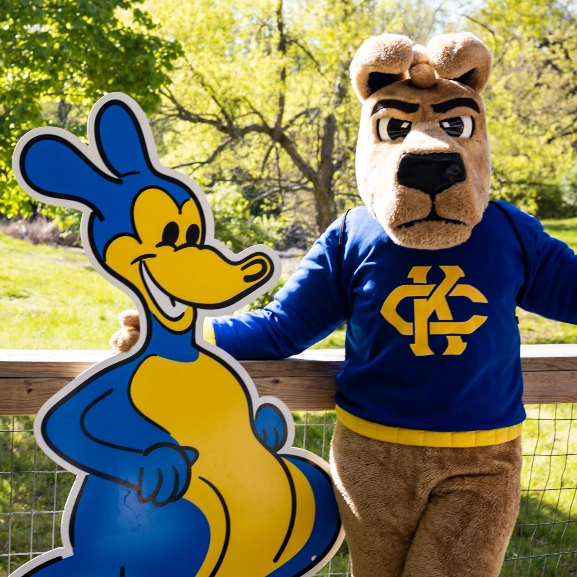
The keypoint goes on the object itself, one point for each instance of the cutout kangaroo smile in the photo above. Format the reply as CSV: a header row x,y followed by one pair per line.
x,y
170,307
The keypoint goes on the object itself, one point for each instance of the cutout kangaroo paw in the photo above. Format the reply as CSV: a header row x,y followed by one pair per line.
x,y
271,427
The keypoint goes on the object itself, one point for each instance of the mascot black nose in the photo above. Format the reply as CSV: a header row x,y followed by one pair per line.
x,y
431,173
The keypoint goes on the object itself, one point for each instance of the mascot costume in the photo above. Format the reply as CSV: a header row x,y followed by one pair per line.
x,y
426,457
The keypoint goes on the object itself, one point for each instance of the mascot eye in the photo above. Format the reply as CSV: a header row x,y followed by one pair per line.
x,y
393,128
459,127
192,234
169,235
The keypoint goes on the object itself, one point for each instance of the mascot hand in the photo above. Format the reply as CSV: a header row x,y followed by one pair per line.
x,y
165,476
125,338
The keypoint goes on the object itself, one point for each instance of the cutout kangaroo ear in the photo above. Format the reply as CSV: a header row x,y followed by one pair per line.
x,y
122,135
50,163
380,61
461,57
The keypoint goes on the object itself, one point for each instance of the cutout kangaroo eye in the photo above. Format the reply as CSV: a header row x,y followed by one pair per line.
x,y
169,235
192,234
458,127
392,128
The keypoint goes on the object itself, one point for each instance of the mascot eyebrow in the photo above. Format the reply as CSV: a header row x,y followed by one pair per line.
x,y
412,107
454,103
398,104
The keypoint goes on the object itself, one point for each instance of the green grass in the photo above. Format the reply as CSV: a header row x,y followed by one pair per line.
x,y
535,329
51,298
565,229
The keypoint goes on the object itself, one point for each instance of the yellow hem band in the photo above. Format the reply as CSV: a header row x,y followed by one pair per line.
x,y
208,332
460,439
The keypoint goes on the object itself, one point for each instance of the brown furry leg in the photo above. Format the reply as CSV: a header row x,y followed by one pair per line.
x,y
380,500
468,522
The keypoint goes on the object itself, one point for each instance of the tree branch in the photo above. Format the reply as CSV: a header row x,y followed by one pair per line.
x,y
282,45
326,167
211,158
268,193
305,168
183,114
315,111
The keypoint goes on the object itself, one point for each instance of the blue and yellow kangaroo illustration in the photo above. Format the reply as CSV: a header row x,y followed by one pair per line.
x,y
182,469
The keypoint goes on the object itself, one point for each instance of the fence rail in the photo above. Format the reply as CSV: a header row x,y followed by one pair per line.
x,y
33,489
304,383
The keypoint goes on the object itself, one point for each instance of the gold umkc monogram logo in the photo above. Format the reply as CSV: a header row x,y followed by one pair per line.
x,y
429,299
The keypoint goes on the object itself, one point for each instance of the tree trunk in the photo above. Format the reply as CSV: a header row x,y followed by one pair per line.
x,y
326,210
323,187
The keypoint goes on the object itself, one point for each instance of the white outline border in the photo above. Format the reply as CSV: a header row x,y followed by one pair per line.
x,y
91,152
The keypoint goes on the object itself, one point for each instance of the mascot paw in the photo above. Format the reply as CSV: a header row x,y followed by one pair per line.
x,y
166,475
124,339
271,427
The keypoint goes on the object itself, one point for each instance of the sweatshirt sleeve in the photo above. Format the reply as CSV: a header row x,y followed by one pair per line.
x,y
308,308
550,288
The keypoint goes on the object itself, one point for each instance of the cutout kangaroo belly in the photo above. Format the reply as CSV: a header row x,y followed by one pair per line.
x,y
259,506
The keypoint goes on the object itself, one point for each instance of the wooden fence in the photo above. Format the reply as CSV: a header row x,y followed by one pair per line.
x,y
304,382
545,539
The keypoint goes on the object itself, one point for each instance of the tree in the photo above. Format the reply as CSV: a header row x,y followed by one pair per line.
x,y
262,96
235,226
532,101
58,57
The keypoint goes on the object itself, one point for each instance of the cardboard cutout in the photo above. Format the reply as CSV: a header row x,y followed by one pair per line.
x,y
182,469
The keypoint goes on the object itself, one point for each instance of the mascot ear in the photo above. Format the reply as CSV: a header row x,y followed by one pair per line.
x,y
461,57
380,61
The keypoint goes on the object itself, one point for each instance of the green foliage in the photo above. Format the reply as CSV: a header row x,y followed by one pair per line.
x,y
531,102
262,95
568,189
235,225
265,298
68,220
58,58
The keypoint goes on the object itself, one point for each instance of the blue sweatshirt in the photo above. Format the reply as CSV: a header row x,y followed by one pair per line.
x,y
432,340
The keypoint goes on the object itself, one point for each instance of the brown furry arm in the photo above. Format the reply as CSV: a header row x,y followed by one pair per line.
x,y
125,338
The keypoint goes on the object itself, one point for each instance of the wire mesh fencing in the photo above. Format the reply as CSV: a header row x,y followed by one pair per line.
x,y
544,542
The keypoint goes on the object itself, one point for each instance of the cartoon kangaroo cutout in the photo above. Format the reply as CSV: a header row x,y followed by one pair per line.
x,y
182,468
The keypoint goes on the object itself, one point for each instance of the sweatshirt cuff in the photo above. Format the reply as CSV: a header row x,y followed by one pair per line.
x,y
208,332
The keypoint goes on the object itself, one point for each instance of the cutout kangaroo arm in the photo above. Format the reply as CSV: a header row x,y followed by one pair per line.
x,y
79,428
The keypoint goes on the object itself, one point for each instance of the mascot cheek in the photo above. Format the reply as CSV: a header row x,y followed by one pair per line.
x,y
391,203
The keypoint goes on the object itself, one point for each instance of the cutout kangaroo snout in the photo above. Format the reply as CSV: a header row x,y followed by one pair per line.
x,y
423,164
182,468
